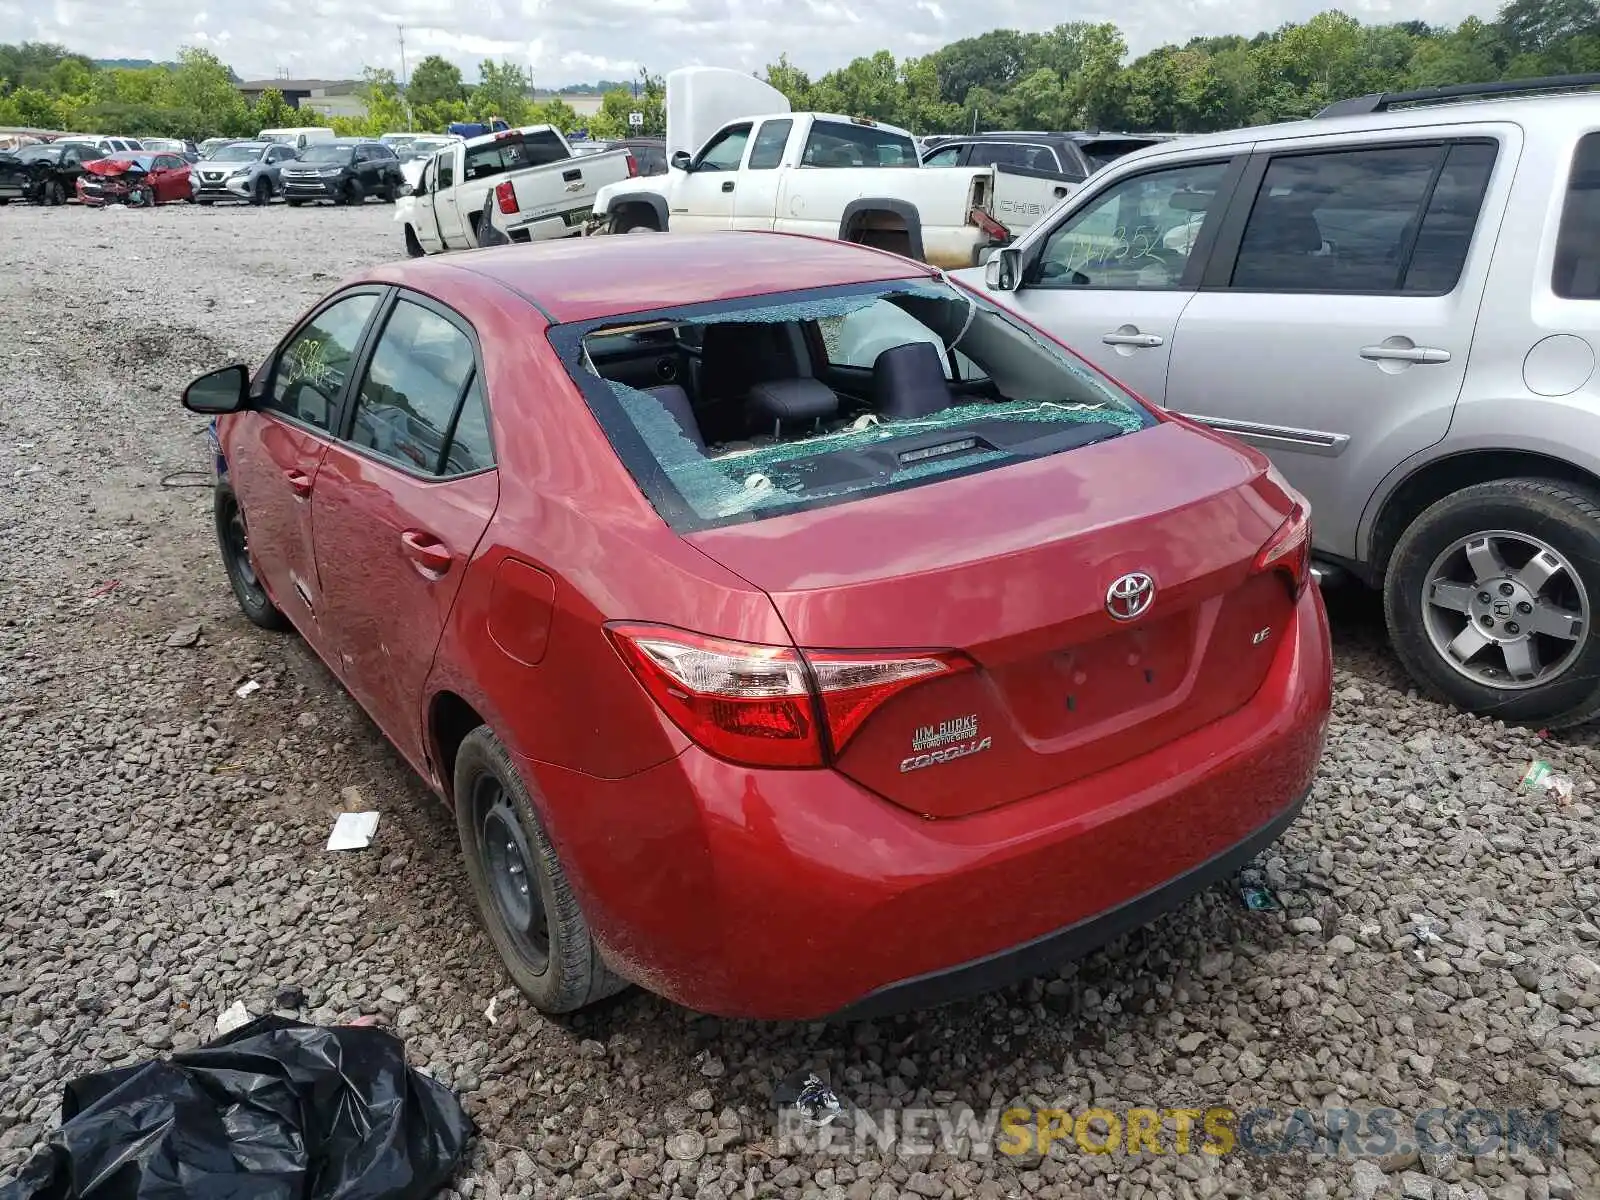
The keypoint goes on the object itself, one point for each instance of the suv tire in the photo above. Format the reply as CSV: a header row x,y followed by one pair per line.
x,y
234,543
261,193
1434,593
527,905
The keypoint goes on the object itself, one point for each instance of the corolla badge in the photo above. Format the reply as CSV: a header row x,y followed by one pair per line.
x,y
945,742
1130,595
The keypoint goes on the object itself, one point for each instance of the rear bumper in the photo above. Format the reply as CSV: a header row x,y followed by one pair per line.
x,y
800,894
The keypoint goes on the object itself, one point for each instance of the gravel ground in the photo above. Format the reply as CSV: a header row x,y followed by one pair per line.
x,y
161,848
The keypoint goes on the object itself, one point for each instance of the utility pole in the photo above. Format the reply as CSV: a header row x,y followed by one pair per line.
x,y
405,98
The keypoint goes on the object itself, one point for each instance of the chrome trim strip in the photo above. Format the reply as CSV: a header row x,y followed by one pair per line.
x,y
1311,441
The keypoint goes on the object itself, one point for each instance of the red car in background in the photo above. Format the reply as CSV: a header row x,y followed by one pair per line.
x,y
143,180
781,677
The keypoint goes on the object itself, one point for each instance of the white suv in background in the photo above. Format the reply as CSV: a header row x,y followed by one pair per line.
x,y
1399,302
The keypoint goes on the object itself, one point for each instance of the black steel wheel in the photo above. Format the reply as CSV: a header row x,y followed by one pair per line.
x,y
234,539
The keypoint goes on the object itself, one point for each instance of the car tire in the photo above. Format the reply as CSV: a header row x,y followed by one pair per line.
x,y
413,245
1434,593
354,194
295,203
55,194
261,192
526,903
390,193
235,545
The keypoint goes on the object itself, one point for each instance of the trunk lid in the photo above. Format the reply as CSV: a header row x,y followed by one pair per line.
x,y
1013,567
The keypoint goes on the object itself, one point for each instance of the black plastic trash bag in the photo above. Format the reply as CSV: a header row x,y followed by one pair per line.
x,y
275,1110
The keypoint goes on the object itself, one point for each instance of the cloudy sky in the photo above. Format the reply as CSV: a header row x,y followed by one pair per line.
x,y
569,41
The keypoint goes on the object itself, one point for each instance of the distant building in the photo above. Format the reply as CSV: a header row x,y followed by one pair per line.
x,y
329,97
585,104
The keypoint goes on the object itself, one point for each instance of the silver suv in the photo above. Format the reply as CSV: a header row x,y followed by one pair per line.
x,y
1399,302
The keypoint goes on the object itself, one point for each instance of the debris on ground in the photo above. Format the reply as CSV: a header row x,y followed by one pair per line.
x,y
246,689
488,1013
290,997
235,1016
321,1112
353,831
184,636
810,1097
1540,777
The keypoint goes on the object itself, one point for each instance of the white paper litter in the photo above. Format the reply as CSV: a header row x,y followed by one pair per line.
x,y
488,1013
245,689
353,831
235,1015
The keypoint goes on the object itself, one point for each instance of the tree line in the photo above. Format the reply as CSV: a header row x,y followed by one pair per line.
x,y
1075,76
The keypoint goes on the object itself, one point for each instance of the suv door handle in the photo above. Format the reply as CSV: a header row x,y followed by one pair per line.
x,y
728,187
299,483
1409,354
1147,340
426,552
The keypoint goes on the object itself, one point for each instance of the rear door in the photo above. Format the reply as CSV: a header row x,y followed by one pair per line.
x,y
1112,276
276,449
401,503
1333,324
755,203
702,199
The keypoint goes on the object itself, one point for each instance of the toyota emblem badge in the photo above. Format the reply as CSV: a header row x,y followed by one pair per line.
x,y
1130,596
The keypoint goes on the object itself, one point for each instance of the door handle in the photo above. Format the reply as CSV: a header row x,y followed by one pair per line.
x,y
426,552
728,187
1147,340
299,483
570,176
1407,354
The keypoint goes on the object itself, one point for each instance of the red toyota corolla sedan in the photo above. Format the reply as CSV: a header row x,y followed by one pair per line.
x,y
793,632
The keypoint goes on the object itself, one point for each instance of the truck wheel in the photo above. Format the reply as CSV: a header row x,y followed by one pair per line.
x,y
1491,596
631,223
413,246
527,905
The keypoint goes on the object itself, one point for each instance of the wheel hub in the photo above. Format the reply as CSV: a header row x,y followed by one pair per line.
x,y
1505,609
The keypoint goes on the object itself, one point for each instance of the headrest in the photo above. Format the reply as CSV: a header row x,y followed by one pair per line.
x,y
791,400
908,382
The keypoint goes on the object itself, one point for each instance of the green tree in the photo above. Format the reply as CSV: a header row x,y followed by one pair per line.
x,y
502,92
791,81
650,99
436,80
272,111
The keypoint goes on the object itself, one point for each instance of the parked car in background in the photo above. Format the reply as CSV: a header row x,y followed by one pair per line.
x,y
1396,302
142,180
1075,155
649,154
111,145
415,155
211,145
59,167
345,171
299,137
539,189
249,171
25,171
465,484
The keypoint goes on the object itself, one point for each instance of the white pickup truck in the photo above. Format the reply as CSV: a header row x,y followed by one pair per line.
x,y
833,176
539,188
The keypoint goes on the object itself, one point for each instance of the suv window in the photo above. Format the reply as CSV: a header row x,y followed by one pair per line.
x,y
1364,220
280,154
724,151
1577,268
1136,234
768,150
312,369
413,388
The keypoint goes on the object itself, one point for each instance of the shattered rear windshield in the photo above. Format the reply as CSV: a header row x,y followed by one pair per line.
x,y
733,412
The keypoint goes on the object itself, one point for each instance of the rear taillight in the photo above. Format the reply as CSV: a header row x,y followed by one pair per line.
x,y
1289,549
989,225
633,167
769,706
506,197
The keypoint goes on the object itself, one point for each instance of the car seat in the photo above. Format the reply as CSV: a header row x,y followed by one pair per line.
x,y
909,382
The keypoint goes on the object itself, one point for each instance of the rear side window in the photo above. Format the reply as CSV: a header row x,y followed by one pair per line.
x,y
1387,219
421,369
835,144
950,156
986,154
767,153
1577,267
817,398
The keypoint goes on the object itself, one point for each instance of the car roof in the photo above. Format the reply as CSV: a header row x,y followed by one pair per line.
x,y
1538,111
582,279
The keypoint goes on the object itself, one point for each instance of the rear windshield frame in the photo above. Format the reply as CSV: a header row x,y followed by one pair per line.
x,y
653,479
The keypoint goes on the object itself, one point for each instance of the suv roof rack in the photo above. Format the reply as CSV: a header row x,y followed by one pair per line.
x,y
1384,101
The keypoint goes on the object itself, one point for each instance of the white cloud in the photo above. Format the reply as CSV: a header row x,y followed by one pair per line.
x,y
569,42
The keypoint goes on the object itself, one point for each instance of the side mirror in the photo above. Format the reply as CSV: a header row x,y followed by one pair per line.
x,y
1003,271
681,160
218,392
